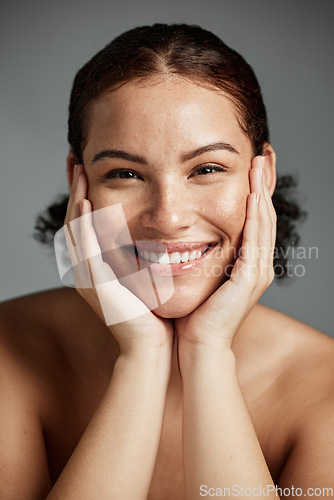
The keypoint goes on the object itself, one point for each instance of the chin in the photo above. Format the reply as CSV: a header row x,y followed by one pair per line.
x,y
182,303
188,297
172,312
169,311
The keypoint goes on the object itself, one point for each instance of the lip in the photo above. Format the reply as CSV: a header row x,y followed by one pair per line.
x,y
180,246
183,267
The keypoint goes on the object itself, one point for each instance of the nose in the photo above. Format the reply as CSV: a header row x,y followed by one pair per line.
x,y
169,210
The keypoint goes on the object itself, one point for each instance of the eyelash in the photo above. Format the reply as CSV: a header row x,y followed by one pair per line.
x,y
212,167
116,174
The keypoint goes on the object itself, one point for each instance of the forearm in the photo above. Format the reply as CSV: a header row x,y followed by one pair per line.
x,y
220,446
116,456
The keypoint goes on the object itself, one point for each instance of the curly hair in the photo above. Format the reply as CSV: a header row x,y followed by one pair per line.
x,y
198,56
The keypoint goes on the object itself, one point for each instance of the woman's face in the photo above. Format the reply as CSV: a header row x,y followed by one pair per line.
x,y
174,156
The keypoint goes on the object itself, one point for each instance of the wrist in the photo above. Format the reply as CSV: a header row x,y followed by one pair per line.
x,y
192,355
148,374
158,359
142,347
212,344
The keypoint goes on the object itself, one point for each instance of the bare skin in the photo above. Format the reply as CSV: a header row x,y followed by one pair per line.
x,y
61,358
101,411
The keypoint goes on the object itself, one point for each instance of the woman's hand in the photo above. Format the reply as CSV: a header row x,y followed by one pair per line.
x,y
216,321
144,332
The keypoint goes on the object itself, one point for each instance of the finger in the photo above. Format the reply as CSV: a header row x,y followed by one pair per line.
x,y
271,250
258,183
78,192
246,265
117,303
268,232
100,271
81,273
70,243
80,187
70,199
271,210
66,239
251,227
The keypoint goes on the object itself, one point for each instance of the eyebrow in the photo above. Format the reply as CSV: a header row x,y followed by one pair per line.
x,y
216,146
123,155
117,153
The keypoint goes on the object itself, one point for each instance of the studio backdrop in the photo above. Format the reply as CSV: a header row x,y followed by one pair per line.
x,y
289,45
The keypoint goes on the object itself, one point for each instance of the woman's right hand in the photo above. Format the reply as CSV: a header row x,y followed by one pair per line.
x,y
144,332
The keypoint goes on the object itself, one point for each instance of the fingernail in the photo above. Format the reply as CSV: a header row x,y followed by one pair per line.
x,y
258,198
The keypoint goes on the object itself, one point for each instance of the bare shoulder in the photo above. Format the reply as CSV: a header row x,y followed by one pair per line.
x,y
294,338
50,309
47,330
50,344
30,326
27,349
297,349
52,334
30,338
302,389
287,377
300,360
289,360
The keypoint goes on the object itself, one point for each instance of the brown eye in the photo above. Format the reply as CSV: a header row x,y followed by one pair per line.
x,y
122,174
209,169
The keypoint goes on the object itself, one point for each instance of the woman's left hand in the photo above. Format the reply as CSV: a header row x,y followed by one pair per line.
x,y
215,322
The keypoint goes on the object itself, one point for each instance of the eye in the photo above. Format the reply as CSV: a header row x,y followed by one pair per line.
x,y
122,174
208,169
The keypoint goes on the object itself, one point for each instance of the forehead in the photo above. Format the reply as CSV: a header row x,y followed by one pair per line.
x,y
171,112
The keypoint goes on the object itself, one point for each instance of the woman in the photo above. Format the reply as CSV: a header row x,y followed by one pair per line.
x,y
207,393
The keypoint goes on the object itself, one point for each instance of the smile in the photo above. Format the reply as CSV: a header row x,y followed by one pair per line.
x,y
173,260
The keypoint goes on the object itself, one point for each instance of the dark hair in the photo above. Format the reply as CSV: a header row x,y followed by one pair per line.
x,y
195,54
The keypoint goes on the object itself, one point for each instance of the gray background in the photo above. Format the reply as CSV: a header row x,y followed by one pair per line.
x,y
290,46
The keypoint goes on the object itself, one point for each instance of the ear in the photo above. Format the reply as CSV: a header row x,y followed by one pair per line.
x,y
70,162
269,166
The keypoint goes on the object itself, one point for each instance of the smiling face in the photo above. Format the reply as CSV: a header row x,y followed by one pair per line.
x,y
174,156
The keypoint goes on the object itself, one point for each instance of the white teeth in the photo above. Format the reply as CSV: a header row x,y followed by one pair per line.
x,y
164,258
153,257
175,258
185,257
172,258
192,256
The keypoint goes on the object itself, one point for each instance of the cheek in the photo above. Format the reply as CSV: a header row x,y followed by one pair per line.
x,y
228,211
101,197
115,224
